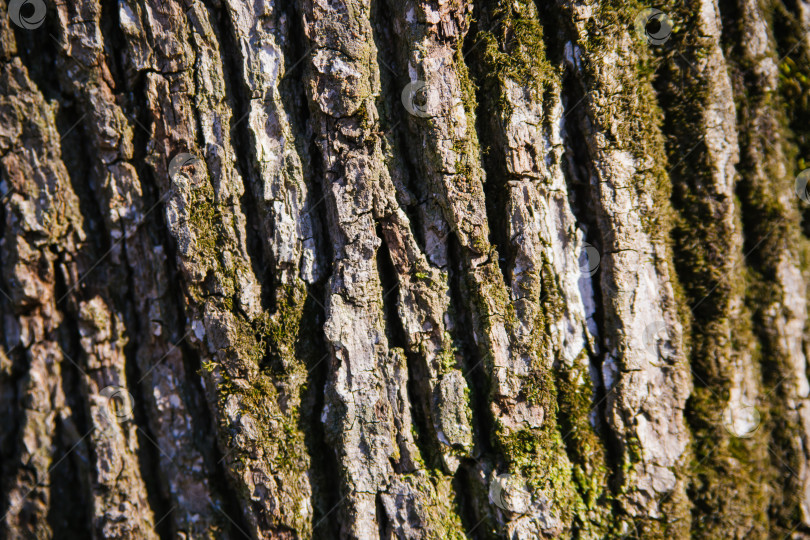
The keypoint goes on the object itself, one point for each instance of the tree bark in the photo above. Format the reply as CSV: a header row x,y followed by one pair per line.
x,y
404,269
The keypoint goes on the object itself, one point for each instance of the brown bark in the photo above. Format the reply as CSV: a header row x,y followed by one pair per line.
x,y
404,269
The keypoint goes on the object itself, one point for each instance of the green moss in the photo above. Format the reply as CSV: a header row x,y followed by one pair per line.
x,y
508,52
284,327
586,450
438,498
467,89
513,50
628,112
280,439
539,457
490,295
271,400
714,282
204,217
447,357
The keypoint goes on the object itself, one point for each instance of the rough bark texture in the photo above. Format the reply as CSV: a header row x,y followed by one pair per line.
x,y
404,269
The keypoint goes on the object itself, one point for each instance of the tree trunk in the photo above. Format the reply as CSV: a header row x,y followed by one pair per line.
x,y
404,269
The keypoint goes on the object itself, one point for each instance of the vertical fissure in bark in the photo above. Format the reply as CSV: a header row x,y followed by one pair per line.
x,y
436,388
488,97
154,479
72,372
476,513
76,507
113,47
416,232
325,483
38,51
70,123
577,170
153,361
520,120
469,498
398,147
204,435
694,91
292,84
119,280
382,520
316,203
231,337
777,290
173,322
239,98
474,363
92,271
69,515
418,389
620,128
12,373
345,118
139,475
326,495
484,457
297,109
51,211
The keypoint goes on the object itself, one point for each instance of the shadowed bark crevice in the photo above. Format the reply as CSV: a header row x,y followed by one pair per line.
x,y
393,123
325,483
74,509
117,281
488,100
148,457
578,170
474,369
91,276
70,516
174,321
14,369
239,98
37,50
468,499
326,496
